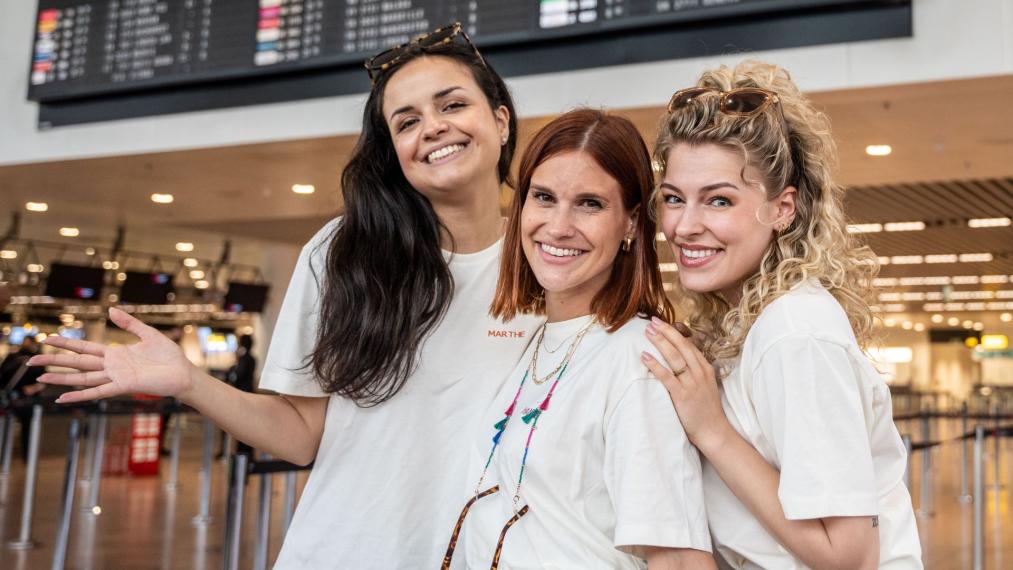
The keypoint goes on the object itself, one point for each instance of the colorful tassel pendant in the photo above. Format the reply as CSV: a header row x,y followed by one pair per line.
x,y
501,425
530,416
495,438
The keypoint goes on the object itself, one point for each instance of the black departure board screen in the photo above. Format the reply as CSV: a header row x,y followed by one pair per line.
x,y
93,47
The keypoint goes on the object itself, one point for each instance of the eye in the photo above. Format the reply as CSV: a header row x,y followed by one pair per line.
x,y
720,202
591,203
542,197
671,199
454,105
405,124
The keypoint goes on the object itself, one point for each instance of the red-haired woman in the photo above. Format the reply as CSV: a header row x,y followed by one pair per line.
x,y
599,483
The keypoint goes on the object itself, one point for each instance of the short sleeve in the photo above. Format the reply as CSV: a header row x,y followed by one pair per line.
x,y
653,473
295,331
808,396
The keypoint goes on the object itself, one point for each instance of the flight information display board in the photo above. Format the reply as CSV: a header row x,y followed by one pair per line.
x,y
93,47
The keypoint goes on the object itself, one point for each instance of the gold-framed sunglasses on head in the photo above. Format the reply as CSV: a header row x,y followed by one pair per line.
x,y
743,102
444,35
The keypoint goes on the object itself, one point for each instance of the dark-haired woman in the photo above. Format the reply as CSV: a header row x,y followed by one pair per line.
x,y
573,466
386,314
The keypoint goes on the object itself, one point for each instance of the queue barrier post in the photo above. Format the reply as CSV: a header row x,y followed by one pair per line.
x,y
288,505
234,522
8,445
978,522
67,503
204,517
89,447
173,479
24,540
906,439
925,484
98,454
263,521
965,496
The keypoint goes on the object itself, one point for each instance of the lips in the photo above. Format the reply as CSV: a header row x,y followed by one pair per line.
x,y
445,152
692,257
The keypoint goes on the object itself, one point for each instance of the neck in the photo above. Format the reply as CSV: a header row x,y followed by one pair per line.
x,y
475,222
560,307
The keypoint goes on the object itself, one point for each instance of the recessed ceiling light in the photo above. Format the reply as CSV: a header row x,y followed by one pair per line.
x,y
865,228
904,226
184,246
36,206
953,321
1006,317
8,254
70,232
989,222
975,257
906,259
937,318
190,262
919,327
162,198
303,188
196,274
878,149
669,267
201,284
35,268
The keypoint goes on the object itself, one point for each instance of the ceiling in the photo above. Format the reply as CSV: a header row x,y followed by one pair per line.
x,y
952,160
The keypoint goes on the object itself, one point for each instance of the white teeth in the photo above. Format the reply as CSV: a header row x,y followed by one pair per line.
x,y
443,152
698,253
560,252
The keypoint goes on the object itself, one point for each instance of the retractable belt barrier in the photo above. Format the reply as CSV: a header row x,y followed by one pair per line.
x,y
242,467
977,494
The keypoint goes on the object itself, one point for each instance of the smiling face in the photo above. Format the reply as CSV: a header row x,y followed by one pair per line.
x,y
446,136
572,224
718,225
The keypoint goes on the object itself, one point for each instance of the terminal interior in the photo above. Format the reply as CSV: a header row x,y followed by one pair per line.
x,y
935,207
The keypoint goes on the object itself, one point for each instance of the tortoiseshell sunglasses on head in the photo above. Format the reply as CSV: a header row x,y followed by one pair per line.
x,y
444,35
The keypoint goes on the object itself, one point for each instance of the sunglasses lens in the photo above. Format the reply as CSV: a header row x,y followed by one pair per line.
x,y
684,97
745,101
439,36
378,61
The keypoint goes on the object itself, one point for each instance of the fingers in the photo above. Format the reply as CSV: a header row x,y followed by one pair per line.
x,y
684,347
662,373
78,346
88,379
131,324
97,393
83,362
668,350
683,330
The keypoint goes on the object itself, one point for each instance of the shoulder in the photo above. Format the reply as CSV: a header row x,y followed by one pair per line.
x,y
619,352
314,252
806,310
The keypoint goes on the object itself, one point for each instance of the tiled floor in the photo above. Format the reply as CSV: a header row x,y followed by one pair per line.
x,y
144,526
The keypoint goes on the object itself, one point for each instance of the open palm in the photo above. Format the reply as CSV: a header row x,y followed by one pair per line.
x,y
154,365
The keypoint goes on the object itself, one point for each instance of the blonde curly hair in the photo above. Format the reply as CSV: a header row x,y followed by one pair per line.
x,y
816,243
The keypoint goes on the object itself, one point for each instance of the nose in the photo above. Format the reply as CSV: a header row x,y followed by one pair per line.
x,y
434,127
688,223
559,224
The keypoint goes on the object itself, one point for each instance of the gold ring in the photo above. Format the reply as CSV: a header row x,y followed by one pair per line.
x,y
680,371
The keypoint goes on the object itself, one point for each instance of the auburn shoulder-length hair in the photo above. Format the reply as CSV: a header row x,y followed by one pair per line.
x,y
635,285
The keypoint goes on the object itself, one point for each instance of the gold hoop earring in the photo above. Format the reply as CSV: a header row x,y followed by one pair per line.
x,y
627,243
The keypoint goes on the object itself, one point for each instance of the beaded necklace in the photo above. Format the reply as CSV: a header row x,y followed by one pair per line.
x,y
532,416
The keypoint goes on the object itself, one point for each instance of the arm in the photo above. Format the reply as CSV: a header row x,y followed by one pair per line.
x,y
678,559
287,427
833,542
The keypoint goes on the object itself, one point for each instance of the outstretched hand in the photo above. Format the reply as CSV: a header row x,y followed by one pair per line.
x,y
156,365
690,381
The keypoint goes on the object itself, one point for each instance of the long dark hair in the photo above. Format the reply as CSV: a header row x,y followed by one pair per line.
x,y
387,284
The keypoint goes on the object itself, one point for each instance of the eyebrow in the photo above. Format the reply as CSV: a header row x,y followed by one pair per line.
x,y
438,95
580,196
706,188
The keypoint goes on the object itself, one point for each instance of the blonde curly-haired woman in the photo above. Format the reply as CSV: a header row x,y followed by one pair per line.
x,y
804,466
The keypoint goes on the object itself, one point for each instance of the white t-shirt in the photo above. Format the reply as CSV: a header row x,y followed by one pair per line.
x,y
806,397
380,495
609,465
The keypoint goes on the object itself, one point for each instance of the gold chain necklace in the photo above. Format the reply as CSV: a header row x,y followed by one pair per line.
x,y
533,367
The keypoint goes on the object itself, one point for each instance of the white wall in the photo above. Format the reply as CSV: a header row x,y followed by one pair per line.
x,y
953,39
